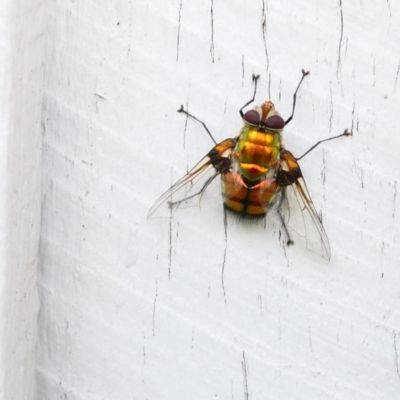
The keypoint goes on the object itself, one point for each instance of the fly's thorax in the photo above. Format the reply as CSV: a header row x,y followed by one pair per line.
x,y
257,152
259,142
261,137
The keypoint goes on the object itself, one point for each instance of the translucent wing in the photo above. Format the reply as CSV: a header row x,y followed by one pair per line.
x,y
188,190
184,189
306,223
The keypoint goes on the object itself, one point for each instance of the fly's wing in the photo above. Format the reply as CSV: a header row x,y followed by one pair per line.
x,y
306,223
188,190
185,189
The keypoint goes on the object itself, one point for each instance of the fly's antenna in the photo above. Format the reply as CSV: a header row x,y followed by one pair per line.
x,y
255,79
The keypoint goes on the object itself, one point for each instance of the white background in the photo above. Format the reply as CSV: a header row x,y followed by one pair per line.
x,y
133,308
22,27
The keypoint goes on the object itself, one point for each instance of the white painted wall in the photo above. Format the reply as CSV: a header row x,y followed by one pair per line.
x,y
21,82
134,308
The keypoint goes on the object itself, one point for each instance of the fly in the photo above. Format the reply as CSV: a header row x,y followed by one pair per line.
x,y
257,174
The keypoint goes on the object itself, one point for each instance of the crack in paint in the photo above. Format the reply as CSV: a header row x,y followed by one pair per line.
x,y
394,199
269,85
242,70
323,173
264,29
340,41
390,9
331,113
212,31
154,307
170,248
224,260
396,355
179,31
245,384
186,123
397,76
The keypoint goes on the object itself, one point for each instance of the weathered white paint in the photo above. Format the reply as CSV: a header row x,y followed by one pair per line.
x,y
134,308
21,82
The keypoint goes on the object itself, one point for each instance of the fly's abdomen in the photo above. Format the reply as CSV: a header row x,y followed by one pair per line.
x,y
257,152
246,200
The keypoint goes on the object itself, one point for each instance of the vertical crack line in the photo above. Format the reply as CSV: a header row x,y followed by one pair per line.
x,y
179,31
144,344
280,90
340,41
397,77
212,31
154,308
390,10
264,29
192,339
331,110
185,128
244,371
394,199
396,355
323,174
242,70
170,249
269,85
224,260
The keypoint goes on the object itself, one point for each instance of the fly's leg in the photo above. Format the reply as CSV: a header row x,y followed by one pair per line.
x,y
279,209
289,239
345,133
182,110
199,193
305,73
255,79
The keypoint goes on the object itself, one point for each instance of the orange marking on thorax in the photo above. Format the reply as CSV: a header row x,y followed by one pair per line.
x,y
260,138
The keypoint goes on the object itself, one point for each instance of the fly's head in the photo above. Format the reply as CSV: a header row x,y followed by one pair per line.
x,y
264,117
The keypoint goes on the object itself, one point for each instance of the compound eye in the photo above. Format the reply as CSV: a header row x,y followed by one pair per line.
x,y
275,122
252,117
